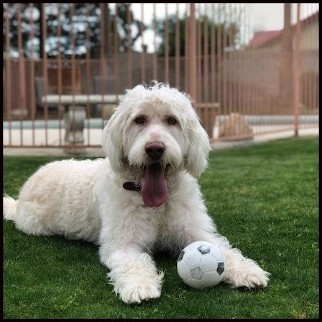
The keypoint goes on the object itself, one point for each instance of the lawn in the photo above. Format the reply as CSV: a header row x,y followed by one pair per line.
x,y
264,199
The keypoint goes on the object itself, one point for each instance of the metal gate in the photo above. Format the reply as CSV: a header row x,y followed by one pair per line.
x,y
66,65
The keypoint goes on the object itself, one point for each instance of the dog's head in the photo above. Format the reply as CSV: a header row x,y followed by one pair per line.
x,y
155,131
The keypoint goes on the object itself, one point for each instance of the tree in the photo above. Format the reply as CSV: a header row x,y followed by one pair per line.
x,y
71,28
226,32
160,28
126,21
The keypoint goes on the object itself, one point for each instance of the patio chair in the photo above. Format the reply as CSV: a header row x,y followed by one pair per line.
x,y
104,85
74,115
41,90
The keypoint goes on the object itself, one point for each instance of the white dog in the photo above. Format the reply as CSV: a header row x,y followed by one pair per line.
x,y
142,198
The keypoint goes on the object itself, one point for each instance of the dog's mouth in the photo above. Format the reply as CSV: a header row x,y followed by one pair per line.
x,y
154,189
153,184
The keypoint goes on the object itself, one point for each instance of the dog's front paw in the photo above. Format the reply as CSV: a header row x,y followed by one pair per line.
x,y
254,278
134,276
244,272
136,293
249,276
134,288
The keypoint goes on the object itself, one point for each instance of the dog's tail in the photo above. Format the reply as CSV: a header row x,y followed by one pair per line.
x,y
9,207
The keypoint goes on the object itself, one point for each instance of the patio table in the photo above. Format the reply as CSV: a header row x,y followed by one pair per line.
x,y
74,113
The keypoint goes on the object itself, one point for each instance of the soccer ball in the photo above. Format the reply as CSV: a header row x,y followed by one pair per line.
x,y
201,264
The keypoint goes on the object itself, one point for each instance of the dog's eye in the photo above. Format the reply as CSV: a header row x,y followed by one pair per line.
x,y
171,120
140,119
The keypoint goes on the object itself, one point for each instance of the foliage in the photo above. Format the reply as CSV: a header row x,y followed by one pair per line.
x,y
71,28
126,21
224,33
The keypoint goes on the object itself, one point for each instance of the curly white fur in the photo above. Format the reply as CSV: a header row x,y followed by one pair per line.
x,y
86,199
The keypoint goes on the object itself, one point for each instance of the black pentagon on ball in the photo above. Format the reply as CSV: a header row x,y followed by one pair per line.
x,y
221,267
180,256
204,249
197,273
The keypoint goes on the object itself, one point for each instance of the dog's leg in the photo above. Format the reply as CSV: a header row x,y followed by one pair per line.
x,y
239,270
242,271
133,274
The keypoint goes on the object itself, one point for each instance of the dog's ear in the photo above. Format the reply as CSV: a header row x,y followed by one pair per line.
x,y
112,138
198,149
112,141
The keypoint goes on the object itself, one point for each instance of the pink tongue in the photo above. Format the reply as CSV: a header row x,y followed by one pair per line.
x,y
154,186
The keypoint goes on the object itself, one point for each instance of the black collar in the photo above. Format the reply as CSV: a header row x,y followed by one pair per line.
x,y
131,186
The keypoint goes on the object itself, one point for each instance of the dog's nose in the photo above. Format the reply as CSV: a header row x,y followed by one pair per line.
x,y
155,150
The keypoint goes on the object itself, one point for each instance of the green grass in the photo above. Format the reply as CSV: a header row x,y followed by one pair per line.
x,y
264,199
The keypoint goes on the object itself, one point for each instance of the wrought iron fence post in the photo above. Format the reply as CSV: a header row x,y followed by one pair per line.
x,y
297,71
192,53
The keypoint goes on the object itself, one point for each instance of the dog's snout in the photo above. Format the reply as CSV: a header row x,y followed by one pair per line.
x,y
155,150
